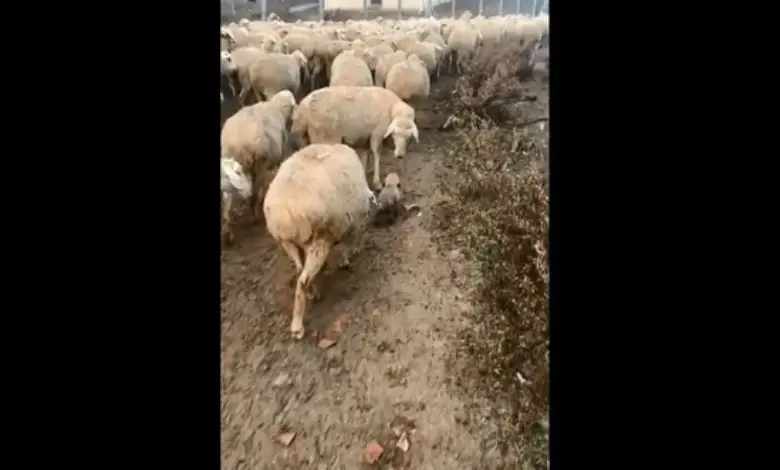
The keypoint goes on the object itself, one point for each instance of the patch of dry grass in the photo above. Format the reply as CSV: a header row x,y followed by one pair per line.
x,y
490,81
499,218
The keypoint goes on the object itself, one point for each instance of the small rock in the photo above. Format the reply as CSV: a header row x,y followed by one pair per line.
x,y
372,452
282,380
403,443
325,343
285,438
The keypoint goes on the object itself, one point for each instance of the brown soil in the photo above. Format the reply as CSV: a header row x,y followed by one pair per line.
x,y
394,315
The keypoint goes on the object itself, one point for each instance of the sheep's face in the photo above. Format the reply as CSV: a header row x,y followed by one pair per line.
x,y
402,129
227,62
234,178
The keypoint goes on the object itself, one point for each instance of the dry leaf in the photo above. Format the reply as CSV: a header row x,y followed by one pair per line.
x,y
375,312
372,452
285,438
325,343
403,443
398,429
339,323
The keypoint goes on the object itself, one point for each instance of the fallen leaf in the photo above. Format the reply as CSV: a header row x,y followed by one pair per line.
x,y
285,438
325,343
375,312
398,429
403,443
372,452
339,323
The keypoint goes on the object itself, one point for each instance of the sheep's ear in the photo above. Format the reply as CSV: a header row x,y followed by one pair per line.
x,y
390,129
415,133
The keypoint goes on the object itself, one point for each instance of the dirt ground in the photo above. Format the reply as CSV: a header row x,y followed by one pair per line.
x,y
393,314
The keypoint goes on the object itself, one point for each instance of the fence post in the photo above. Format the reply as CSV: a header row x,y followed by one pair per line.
x,y
533,12
400,7
517,10
481,6
263,9
453,8
321,5
500,7
365,9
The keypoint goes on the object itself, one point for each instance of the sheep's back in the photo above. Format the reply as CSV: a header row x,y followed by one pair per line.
x,y
320,191
345,112
348,69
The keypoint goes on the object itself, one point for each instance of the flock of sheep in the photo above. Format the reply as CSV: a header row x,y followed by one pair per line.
x,y
363,79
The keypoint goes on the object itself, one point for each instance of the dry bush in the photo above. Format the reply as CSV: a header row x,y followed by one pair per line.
x,y
491,80
499,217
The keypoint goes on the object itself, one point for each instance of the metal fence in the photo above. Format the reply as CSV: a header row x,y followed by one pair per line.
x,y
290,10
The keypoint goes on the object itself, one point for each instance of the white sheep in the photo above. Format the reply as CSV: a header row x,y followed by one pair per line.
x,y
318,198
409,79
243,58
389,201
463,44
272,73
355,115
233,181
429,53
228,70
255,137
385,63
350,69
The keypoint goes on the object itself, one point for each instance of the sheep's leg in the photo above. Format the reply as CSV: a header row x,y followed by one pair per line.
x,y
376,145
259,186
227,204
316,254
242,95
296,256
364,159
258,95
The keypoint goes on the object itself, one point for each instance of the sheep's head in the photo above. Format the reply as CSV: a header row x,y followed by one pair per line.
x,y
299,58
234,178
284,101
414,58
244,23
227,36
402,128
226,62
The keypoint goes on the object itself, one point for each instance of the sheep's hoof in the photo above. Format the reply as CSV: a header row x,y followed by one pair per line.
x,y
297,334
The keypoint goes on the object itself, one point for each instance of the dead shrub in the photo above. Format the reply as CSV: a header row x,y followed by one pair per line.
x,y
490,80
499,218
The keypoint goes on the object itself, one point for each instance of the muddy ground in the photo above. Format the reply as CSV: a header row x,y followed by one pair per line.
x,y
394,316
